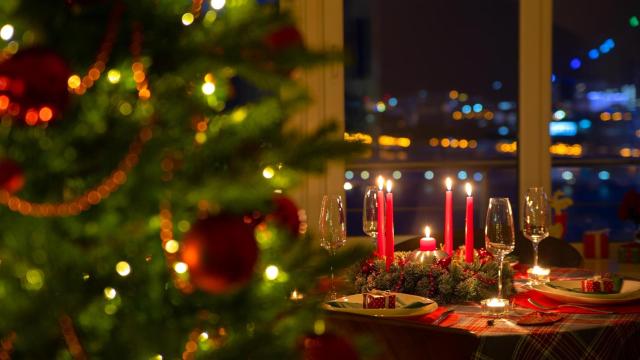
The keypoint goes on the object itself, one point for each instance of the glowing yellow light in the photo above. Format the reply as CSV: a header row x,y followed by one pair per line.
x,y
360,137
210,17
172,246
180,267
453,94
201,138
74,81
123,268
6,32
380,181
605,116
239,115
187,19
208,88
463,97
463,144
347,185
268,172
35,279
45,113
319,327
454,143
488,115
467,188
271,272
217,4
625,152
113,76
157,357
434,142
380,106
125,108
445,142
473,144
110,293
616,116
403,142
204,336
457,115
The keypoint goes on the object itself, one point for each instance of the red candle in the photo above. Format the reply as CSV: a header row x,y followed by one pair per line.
x,y
388,229
448,219
468,240
381,234
427,243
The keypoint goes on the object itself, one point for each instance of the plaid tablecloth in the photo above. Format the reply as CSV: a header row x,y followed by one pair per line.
x,y
577,336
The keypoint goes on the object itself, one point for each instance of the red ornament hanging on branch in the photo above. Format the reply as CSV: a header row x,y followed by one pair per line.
x,y
11,176
286,214
33,86
221,252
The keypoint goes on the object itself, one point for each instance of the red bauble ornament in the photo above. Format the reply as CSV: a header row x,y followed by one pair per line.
x,y
11,176
33,85
328,346
284,38
221,252
444,262
286,214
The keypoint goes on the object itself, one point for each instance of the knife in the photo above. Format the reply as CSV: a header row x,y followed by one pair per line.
x,y
443,317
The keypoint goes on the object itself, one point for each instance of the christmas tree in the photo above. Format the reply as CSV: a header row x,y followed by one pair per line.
x,y
145,159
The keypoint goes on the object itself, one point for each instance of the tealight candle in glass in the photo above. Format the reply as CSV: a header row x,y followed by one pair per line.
x,y
538,275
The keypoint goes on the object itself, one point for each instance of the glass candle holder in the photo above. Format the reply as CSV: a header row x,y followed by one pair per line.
x,y
538,275
495,306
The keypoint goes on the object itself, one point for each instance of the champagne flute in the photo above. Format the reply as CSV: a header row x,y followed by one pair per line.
x,y
536,218
333,229
499,235
370,212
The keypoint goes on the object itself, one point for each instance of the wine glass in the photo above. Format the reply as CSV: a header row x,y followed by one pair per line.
x,y
370,212
536,218
499,235
333,229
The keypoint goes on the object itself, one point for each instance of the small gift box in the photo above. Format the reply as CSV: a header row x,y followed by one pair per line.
x,y
629,253
601,284
377,299
596,244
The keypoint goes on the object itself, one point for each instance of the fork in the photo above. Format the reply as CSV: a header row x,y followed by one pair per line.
x,y
538,305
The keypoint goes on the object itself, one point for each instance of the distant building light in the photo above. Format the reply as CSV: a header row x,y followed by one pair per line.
x,y
477,108
347,186
594,54
563,128
466,109
559,115
364,175
584,124
422,93
503,130
348,174
567,175
604,175
478,176
496,85
633,21
462,175
393,102
575,63
553,78
429,175
380,106
396,175
453,94
505,105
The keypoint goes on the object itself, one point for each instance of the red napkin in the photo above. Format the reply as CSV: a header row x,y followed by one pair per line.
x,y
521,300
433,316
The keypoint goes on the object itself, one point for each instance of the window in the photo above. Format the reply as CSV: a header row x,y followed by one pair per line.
x,y
432,86
595,128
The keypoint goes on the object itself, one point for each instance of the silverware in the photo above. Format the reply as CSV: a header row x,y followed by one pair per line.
x,y
538,305
442,317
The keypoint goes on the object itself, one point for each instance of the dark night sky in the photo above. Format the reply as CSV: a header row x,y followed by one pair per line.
x,y
439,45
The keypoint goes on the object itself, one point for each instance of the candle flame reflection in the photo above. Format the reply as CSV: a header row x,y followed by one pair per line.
x,y
448,183
427,232
380,182
389,185
467,187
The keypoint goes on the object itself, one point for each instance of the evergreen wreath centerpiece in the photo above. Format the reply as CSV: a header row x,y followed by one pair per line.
x,y
447,280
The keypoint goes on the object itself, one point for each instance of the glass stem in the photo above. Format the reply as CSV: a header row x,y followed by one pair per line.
x,y
333,294
500,277
535,254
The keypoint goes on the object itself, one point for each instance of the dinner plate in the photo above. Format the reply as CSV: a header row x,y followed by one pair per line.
x,y
353,305
629,292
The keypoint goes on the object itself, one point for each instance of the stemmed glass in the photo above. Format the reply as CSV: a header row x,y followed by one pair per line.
x,y
499,235
333,229
536,219
370,212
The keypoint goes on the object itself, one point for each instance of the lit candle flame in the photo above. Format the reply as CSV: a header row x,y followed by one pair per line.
x,y
380,182
389,184
449,183
427,232
295,295
467,187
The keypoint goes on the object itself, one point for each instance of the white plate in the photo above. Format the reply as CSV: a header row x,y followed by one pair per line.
x,y
356,300
630,292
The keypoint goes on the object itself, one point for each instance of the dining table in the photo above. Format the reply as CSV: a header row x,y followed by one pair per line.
x,y
606,332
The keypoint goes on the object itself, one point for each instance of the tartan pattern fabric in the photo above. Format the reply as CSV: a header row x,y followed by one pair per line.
x,y
577,336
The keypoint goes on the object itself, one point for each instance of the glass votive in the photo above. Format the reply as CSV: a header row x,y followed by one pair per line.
x,y
495,306
538,275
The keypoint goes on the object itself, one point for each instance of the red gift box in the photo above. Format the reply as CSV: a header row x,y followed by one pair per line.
x,y
597,285
377,299
596,244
